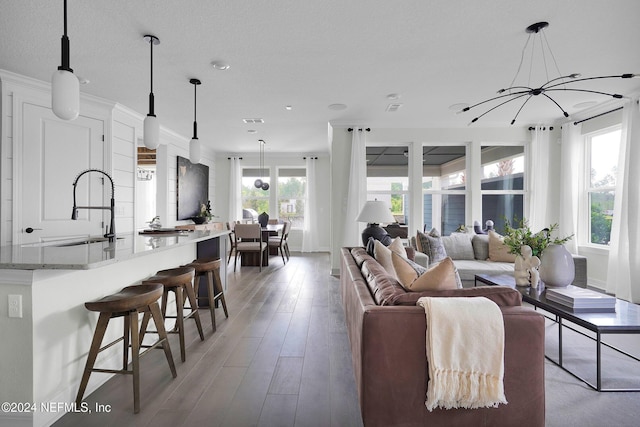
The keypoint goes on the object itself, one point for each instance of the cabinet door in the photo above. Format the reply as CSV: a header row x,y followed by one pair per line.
x,y
54,152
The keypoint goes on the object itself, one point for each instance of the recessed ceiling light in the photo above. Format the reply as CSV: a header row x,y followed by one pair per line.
x,y
585,104
337,107
83,81
393,96
219,65
288,107
252,131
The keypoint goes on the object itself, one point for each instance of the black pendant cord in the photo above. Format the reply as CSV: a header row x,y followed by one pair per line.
x,y
151,100
195,123
64,63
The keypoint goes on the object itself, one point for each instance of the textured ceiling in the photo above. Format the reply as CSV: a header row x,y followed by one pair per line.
x,y
310,54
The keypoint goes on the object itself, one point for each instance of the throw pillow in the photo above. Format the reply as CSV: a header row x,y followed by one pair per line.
x,y
439,277
480,243
406,270
370,246
498,251
458,246
382,254
431,244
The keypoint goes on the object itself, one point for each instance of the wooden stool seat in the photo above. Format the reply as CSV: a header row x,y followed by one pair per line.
x,y
127,303
180,281
210,267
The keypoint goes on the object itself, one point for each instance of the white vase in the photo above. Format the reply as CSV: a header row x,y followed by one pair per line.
x,y
557,267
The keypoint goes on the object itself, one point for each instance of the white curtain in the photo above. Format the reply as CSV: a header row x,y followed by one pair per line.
x,y
311,232
624,251
538,178
572,152
235,190
357,194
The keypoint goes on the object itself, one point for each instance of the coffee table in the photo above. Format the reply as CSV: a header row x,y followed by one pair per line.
x,y
626,320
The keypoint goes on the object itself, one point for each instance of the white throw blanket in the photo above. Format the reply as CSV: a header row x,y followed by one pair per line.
x,y
465,353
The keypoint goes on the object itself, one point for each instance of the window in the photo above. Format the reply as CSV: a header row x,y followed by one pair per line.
x,y
444,187
252,197
388,179
602,160
292,187
502,185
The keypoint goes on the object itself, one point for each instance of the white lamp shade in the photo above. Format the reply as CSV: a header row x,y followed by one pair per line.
x,y
151,132
375,212
195,151
65,95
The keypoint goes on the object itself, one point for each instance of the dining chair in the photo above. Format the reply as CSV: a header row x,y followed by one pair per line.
x,y
279,242
273,221
232,242
248,238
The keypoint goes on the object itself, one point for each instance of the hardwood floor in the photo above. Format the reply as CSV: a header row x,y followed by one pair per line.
x,y
282,358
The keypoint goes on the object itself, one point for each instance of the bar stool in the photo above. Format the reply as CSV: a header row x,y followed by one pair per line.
x,y
127,303
180,281
211,269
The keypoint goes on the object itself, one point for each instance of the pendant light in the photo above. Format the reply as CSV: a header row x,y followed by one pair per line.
x,y
151,124
194,145
259,183
65,87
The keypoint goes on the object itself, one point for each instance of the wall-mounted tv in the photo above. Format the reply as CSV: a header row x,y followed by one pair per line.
x,y
193,188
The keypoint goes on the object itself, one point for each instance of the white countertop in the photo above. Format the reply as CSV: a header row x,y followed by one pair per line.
x,y
59,255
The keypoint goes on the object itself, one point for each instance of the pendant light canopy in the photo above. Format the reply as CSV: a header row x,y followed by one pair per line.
x,y
195,151
65,87
259,183
151,124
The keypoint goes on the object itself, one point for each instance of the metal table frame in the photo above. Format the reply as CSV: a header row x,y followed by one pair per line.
x,y
537,299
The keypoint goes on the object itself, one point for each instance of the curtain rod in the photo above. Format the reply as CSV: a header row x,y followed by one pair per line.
x,y
597,115
229,158
360,129
314,158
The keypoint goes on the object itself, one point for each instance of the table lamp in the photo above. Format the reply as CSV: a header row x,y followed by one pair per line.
x,y
373,213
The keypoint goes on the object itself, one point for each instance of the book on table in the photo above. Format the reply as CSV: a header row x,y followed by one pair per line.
x,y
582,300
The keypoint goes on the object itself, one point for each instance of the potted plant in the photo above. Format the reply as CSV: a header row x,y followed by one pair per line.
x,y
515,238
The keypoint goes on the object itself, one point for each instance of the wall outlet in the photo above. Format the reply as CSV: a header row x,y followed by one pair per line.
x,y
15,306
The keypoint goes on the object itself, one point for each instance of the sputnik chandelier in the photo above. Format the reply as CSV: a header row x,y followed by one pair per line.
x,y
515,92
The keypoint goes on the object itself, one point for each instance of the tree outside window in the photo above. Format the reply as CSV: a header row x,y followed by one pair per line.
x,y
292,187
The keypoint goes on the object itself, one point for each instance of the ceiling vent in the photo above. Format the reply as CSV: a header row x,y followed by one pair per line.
x,y
393,107
253,121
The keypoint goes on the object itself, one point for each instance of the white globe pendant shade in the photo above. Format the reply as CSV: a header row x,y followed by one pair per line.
x,y
65,95
195,152
151,132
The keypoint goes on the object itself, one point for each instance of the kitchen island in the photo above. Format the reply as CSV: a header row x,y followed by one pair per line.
x,y
44,348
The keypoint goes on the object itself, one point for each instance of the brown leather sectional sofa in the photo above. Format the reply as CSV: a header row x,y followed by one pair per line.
x,y
387,333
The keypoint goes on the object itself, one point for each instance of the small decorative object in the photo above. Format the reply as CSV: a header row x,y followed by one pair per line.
x,y
557,267
526,267
263,219
155,223
204,215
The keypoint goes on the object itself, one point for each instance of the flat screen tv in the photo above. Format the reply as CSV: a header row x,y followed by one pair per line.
x,y
193,188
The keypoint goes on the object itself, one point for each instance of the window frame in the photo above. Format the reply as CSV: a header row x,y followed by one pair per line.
x,y
584,237
304,198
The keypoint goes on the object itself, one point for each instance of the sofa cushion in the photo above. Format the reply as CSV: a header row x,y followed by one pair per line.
x,y
439,277
501,295
458,246
498,251
480,243
431,244
384,287
359,255
468,269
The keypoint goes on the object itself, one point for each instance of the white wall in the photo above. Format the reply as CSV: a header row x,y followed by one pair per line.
x,y
272,161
